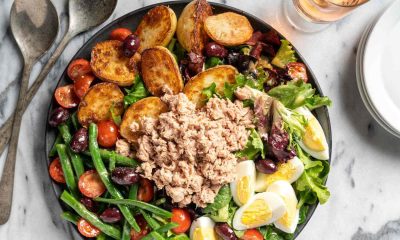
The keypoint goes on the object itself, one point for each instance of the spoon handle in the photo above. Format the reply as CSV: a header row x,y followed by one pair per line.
x,y
5,130
7,179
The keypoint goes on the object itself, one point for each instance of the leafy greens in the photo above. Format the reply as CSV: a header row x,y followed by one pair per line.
x,y
137,92
284,55
254,147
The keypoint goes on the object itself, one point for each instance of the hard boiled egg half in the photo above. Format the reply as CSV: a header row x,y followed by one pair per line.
x,y
262,209
203,229
243,187
288,222
289,171
313,140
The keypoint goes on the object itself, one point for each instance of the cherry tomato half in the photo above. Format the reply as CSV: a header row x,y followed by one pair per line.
x,y
146,190
144,228
78,68
90,184
252,234
66,97
87,229
82,84
56,172
181,217
120,34
108,133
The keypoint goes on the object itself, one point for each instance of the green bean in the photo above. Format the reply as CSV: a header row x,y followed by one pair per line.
x,y
126,233
101,236
153,236
67,169
119,159
151,221
53,151
180,237
143,205
77,162
70,217
111,164
102,171
166,227
74,120
89,216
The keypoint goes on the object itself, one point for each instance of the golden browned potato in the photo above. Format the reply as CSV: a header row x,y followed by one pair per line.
x,y
109,64
156,28
228,29
159,70
190,30
219,75
146,107
95,105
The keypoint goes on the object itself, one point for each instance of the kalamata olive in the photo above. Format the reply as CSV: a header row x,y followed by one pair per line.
x,y
58,116
89,204
232,58
79,141
225,232
131,45
213,49
124,176
196,62
243,62
266,166
111,215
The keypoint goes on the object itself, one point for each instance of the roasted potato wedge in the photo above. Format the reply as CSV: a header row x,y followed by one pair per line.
x,y
190,30
228,29
159,70
218,75
109,64
147,107
157,27
95,105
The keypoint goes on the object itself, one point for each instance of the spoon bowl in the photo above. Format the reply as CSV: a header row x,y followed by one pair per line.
x,y
85,15
34,25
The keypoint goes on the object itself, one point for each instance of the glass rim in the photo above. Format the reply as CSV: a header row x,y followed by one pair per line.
x,y
348,6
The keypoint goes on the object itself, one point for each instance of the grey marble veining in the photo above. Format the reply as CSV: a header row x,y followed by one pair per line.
x,y
365,174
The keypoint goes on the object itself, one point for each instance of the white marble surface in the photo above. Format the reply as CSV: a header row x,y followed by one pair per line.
x,y
365,175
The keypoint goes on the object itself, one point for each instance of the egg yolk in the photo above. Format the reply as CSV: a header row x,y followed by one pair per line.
x,y
257,213
288,218
243,189
204,233
285,172
314,136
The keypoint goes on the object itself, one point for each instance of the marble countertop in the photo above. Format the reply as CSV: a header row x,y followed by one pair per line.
x,y
365,162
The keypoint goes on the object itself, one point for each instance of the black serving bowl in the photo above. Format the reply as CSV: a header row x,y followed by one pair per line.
x,y
131,21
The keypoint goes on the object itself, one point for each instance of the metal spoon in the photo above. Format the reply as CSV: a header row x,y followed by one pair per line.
x,y
34,24
83,15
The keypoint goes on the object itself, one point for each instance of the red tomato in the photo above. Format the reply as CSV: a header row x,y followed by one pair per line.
x,y
297,71
87,229
181,217
108,133
78,68
120,34
66,97
146,190
252,234
144,228
90,184
82,84
56,172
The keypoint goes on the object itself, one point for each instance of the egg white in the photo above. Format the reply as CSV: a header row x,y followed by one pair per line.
x,y
244,169
316,127
204,223
271,200
288,222
289,171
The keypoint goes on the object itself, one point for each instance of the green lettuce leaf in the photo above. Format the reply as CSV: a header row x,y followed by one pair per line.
x,y
310,186
254,147
242,80
221,200
210,91
116,118
295,94
271,233
213,61
137,92
284,55
303,214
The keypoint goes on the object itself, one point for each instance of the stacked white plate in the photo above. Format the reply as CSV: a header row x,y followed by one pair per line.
x,y
378,69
